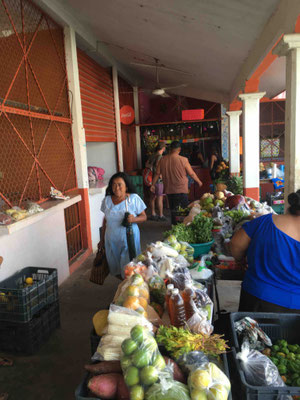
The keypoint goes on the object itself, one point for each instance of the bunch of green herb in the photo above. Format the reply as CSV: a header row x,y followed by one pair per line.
x,y
199,230
179,341
182,232
202,229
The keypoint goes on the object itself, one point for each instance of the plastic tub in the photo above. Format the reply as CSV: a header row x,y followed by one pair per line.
x,y
201,248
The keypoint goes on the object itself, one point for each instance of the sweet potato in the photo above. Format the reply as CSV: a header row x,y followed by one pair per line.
x,y
178,375
123,392
104,367
105,386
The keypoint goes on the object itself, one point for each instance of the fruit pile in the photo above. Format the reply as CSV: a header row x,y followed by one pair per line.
x,y
208,383
135,295
141,362
287,359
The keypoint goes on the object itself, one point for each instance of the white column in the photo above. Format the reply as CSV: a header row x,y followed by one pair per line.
x,y
289,46
117,116
251,143
137,128
78,132
234,142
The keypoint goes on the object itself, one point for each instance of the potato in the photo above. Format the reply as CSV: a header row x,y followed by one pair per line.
x,y
105,386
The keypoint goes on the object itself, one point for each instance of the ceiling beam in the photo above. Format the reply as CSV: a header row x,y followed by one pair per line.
x,y
282,21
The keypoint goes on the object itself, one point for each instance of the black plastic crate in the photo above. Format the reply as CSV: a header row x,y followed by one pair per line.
x,y
19,302
276,326
94,339
27,338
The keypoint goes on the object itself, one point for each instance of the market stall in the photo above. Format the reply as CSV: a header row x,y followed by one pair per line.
x,y
157,339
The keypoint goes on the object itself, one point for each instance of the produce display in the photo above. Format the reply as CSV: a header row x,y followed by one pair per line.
x,y
157,340
287,359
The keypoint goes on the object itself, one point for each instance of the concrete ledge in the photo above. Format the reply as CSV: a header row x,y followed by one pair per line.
x,y
50,207
98,187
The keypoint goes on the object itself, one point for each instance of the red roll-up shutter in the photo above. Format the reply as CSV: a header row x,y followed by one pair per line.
x,y
97,101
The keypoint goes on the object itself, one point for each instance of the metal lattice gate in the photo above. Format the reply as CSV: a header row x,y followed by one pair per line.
x,y
36,148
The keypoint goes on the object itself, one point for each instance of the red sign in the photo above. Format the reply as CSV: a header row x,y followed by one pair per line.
x,y
190,115
127,115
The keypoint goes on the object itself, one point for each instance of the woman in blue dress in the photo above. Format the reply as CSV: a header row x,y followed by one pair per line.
x,y
120,198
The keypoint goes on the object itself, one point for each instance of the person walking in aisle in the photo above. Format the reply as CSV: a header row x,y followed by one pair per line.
x,y
120,198
157,196
174,170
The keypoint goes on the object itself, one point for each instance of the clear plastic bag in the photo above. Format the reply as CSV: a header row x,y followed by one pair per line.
x,y
141,361
5,219
199,323
120,322
157,290
165,267
209,381
259,370
134,294
160,250
168,388
249,331
135,268
181,279
33,208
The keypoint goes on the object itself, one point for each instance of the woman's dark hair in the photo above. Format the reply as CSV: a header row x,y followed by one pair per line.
x,y
294,202
160,146
130,188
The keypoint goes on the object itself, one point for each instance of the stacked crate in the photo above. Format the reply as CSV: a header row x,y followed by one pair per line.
x,y
29,309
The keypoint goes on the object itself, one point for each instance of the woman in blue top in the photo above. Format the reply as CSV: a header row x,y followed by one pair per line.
x,y
272,246
120,198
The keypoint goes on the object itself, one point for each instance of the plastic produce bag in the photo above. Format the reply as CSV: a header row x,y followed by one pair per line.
x,y
120,322
157,290
208,382
134,294
195,359
160,250
134,267
249,331
259,370
141,362
165,267
5,219
199,323
168,389
181,279
33,208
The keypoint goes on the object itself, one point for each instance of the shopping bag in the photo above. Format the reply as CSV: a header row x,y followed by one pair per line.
x,y
100,268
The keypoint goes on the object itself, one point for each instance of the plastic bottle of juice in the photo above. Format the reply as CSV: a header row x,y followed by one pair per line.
x,y
170,288
189,298
177,311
